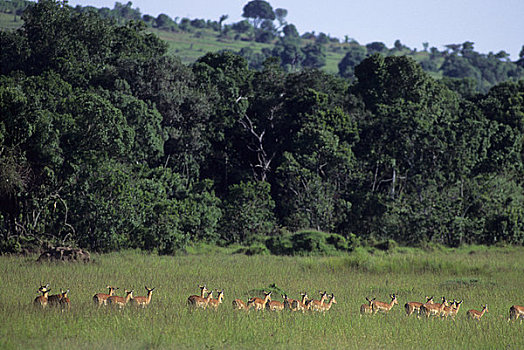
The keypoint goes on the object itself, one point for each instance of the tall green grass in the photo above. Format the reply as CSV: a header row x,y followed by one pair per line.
x,y
477,275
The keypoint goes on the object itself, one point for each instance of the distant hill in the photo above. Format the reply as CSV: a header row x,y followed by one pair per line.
x,y
190,39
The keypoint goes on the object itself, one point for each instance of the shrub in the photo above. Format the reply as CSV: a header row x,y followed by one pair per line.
x,y
255,249
310,242
280,245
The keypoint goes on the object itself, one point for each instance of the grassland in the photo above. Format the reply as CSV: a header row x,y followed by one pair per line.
x,y
477,275
189,46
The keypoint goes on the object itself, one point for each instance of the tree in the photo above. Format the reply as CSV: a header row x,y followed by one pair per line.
x,y
281,14
290,31
290,54
376,47
416,145
315,57
258,11
221,20
352,58
248,213
163,21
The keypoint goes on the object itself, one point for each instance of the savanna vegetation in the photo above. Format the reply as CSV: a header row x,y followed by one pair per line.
x,y
248,173
108,142
475,274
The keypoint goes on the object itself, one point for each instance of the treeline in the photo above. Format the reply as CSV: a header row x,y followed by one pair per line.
x,y
462,68
107,143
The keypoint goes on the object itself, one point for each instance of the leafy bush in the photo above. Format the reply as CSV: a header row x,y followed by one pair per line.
x,y
255,249
309,242
280,245
248,213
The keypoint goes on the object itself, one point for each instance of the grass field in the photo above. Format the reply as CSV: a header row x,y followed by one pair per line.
x,y
476,274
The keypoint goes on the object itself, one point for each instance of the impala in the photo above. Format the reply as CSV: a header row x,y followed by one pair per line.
x,y
367,308
203,290
199,301
451,310
276,305
414,306
65,303
42,299
143,301
330,303
516,312
101,298
300,305
214,303
238,304
456,308
433,309
317,305
477,315
447,309
382,306
287,302
120,301
54,300
258,303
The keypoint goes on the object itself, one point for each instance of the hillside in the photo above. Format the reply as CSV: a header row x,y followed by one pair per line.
x,y
190,39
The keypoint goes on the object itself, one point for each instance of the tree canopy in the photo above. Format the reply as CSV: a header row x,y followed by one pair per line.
x,y
107,142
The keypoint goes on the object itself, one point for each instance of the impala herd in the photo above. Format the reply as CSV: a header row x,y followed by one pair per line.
x,y
205,300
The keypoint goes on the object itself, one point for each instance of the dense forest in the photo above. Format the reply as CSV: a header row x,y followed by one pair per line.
x,y
107,142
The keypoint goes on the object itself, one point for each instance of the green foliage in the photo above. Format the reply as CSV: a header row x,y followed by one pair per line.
x,y
255,249
248,213
353,57
310,242
108,143
258,10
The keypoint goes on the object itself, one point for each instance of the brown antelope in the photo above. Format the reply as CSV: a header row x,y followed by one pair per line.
x,y
192,299
274,305
42,299
317,305
258,303
477,315
414,306
143,301
287,302
200,302
451,310
300,305
330,303
101,298
516,312
447,309
367,308
433,309
120,301
214,303
383,306
239,305
54,300
456,308
65,303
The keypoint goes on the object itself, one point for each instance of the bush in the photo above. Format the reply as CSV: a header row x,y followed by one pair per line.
x,y
248,213
310,242
386,245
255,249
280,245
